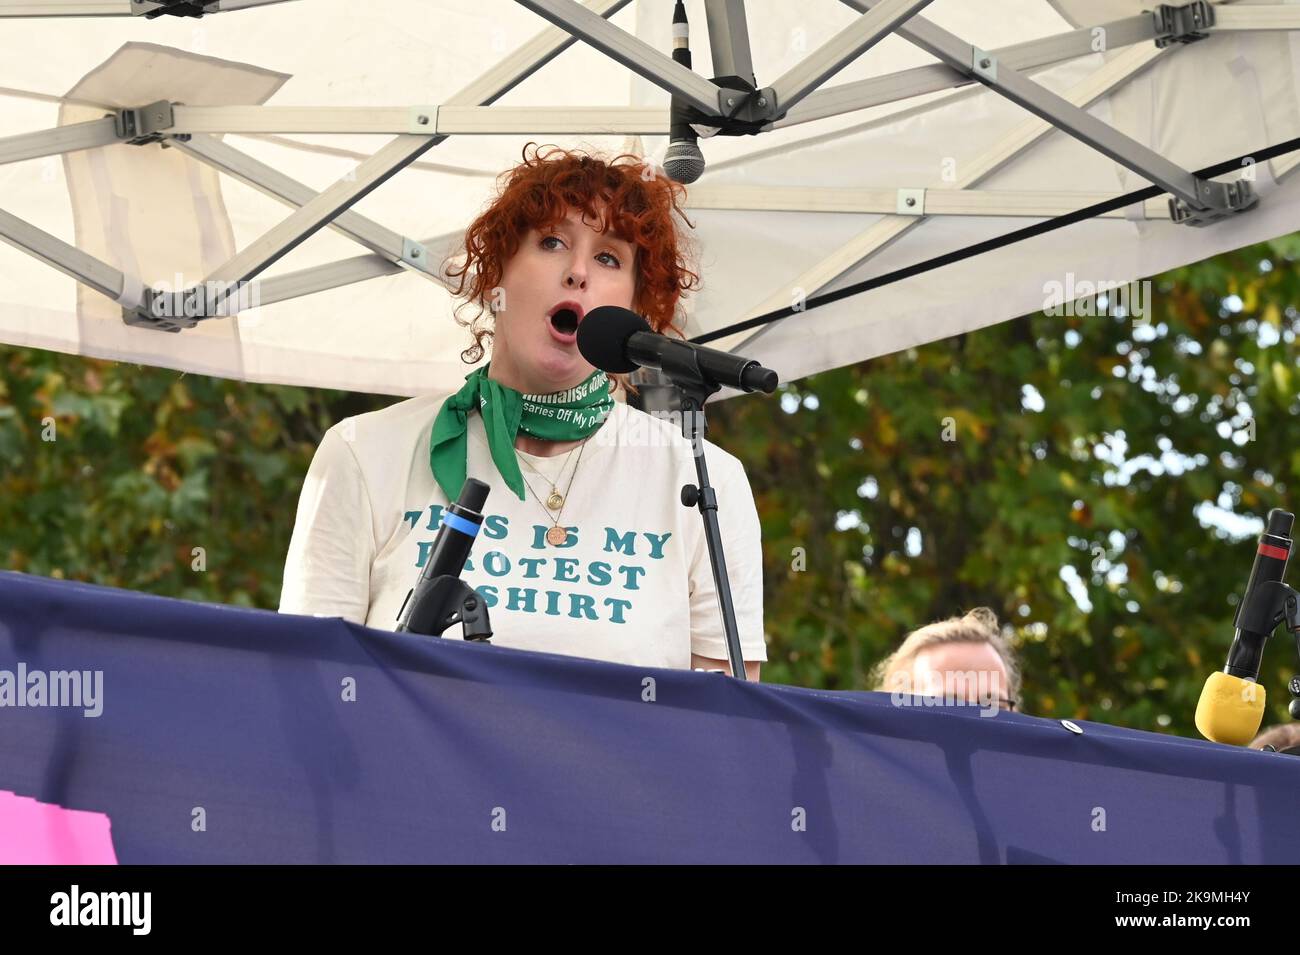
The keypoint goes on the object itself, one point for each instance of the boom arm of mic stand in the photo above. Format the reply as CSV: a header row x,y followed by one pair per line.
x,y
682,368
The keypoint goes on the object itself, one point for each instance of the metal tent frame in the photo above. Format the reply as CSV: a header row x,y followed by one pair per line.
x,y
733,103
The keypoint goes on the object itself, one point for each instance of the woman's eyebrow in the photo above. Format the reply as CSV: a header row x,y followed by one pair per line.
x,y
610,237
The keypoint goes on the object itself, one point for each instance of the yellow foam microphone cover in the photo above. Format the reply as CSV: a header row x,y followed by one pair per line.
x,y
1230,709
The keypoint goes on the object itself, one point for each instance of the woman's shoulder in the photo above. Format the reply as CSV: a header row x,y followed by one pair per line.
x,y
410,414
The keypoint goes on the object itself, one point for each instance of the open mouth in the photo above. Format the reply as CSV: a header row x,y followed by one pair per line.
x,y
565,321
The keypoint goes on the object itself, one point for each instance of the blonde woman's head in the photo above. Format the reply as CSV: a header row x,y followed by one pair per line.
x,y
965,658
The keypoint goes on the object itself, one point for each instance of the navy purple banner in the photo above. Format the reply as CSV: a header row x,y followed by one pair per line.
x,y
212,734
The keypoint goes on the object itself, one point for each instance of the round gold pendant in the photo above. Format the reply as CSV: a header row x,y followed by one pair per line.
x,y
555,501
557,535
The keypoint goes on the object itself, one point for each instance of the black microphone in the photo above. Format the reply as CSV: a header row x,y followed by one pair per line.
x,y
1270,566
1232,701
461,522
618,340
683,162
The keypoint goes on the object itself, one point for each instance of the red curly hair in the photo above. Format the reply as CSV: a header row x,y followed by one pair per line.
x,y
639,203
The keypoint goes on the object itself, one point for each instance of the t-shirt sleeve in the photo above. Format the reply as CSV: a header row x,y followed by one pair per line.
x,y
327,570
743,548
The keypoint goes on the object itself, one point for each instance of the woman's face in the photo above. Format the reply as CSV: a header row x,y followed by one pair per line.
x,y
570,261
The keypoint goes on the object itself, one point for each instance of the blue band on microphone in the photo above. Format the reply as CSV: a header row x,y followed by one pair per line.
x,y
458,523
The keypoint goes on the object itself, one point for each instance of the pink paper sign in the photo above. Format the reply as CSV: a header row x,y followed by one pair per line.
x,y
37,833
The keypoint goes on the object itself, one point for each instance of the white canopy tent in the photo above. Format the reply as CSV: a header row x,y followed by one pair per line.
x,y
334,151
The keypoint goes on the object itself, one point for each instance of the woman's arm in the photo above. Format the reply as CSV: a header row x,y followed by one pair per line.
x,y
327,569
752,669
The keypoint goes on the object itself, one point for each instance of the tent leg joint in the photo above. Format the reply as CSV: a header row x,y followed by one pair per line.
x,y
143,124
744,109
165,310
151,9
1182,24
139,318
1218,201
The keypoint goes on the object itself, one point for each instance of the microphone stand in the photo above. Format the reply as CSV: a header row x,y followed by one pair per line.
x,y
683,370
442,602
439,597
1271,604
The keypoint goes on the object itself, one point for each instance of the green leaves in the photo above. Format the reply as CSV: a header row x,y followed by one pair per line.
x,y
990,489
152,480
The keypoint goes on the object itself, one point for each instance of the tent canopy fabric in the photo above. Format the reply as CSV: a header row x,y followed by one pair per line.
x,y
291,101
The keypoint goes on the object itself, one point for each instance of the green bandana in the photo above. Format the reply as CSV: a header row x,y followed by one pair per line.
x,y
564,416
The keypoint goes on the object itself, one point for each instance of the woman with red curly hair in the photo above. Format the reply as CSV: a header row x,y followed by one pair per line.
x,y
586,548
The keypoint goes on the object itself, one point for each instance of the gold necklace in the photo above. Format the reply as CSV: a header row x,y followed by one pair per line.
x,y
557,535
555,500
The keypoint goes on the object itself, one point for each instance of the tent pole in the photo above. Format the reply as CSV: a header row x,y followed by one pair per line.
x,y
1204,200
839,51
919,80
317,212
72,8
631,51
60,139
228,278
68,259
318,278
889,229
421,119
729,39
110,282
941,202
325,208
115,8
1003,203
360,268
270,181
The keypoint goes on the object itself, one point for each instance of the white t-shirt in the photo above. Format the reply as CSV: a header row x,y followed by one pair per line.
x,y
633,583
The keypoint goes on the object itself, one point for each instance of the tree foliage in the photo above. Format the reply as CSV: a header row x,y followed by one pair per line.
x,y
153,480
971,471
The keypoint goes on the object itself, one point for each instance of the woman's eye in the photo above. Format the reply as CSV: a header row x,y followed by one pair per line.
x,y
556,238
